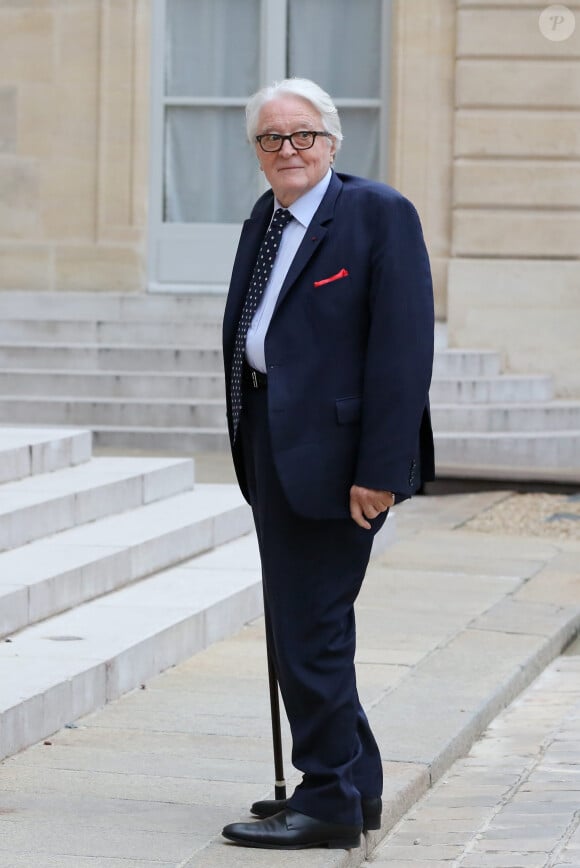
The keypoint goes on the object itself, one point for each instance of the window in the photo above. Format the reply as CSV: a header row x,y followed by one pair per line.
x,y
209,56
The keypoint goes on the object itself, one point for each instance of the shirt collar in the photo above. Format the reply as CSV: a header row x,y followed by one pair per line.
x,y
304,208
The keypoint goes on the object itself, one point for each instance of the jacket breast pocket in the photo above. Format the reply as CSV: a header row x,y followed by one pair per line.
x,y
348,410
333,302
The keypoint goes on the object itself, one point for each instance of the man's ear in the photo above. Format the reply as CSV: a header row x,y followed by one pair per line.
x,y
332,149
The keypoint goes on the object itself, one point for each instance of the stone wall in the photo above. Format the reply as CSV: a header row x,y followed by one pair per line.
x,y
514,277
74,131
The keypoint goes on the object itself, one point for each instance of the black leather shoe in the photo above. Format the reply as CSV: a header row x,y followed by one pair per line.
x,y
371,810
290,830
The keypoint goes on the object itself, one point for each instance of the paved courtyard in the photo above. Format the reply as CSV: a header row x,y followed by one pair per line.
x,y
454,622
514,801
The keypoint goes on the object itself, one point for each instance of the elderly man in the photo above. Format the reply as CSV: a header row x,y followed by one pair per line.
x,y
328,349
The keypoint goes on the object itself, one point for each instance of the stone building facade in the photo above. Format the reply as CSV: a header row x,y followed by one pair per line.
x,y
73,144
483,135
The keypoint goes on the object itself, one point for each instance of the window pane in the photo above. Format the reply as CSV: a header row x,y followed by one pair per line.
x,y
359,154
337,43
212,47
210,169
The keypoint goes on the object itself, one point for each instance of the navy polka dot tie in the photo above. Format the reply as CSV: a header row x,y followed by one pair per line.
x,y
260,277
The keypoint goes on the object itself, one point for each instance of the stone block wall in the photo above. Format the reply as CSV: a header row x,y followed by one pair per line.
x,y
517,135
514,275
74,131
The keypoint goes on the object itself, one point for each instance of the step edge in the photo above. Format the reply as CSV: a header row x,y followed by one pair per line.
x,y
235,517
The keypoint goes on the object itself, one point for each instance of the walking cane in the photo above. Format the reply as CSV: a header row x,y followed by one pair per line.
x,y
279,781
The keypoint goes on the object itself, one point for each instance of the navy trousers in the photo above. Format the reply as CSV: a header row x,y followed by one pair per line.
x,y
312,571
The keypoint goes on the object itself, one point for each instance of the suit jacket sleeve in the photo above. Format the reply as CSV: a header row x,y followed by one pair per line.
x,y
399,358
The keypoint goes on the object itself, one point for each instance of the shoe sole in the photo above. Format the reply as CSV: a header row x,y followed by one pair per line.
x,y
333,844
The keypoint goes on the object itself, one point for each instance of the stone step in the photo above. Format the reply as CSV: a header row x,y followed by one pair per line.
x,y
126,357
54,574
127,412
465,363
545,416
117,384
549,456
182,400
28,451
142,307
192,412
538,455
197,333
506,388
45,504
178,384
97,357
173,441
66,666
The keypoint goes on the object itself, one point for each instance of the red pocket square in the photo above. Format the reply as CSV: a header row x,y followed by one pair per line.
x,y
338,276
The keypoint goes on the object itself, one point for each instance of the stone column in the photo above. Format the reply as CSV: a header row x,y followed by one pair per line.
x,y
421,146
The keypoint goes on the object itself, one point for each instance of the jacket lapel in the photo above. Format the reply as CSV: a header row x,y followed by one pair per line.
x,y
312,239
251,237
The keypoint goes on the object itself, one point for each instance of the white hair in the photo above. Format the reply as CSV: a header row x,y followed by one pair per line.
x,y
303,88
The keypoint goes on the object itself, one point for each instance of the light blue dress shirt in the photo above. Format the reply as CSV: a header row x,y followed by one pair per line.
x,y
302,210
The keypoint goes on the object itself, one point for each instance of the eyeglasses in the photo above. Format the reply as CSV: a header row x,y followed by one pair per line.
x,y
301,140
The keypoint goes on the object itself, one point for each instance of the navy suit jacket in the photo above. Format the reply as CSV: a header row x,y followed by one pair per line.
x,y
348,360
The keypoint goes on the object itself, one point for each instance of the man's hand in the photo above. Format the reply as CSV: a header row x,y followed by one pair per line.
x,y
367,503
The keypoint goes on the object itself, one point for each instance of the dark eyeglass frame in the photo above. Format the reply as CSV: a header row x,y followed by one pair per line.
x,y
290,138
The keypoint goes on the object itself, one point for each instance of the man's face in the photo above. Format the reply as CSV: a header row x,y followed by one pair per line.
x,y
291,172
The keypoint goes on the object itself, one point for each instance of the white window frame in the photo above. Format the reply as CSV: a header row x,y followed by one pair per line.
x,y
173,247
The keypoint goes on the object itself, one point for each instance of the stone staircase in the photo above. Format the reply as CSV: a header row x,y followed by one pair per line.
x,y
111,570
144,373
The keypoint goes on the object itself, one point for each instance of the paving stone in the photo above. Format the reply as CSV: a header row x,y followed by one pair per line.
x,y
490,842
432,811
454,684
76,839
472,553
16,860
558,583
418,853
115,814
221,854
501,827
434,836
374,679
521,616
408,863
504,860
457,591
30,780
